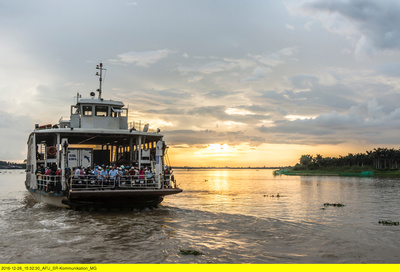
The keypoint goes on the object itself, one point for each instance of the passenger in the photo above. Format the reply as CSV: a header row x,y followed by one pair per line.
x,y
131,171
89,175
77,172
57,186
124,170
129,175
125,175
82,173
113,175
96,172
172,179
149,174
39,175
51,179
103,175
38,170
67,172
141,173
166,172
120,171
47,172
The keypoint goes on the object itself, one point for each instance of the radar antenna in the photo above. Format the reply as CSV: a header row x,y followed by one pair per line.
x,y
100,67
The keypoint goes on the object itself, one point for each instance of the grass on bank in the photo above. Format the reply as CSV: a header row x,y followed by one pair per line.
x,y
335,171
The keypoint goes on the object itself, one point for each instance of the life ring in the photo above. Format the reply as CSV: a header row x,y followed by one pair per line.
x,y
51,150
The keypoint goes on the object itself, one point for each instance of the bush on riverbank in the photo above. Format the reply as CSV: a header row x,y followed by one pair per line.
x,y
382,162
335,171
378,159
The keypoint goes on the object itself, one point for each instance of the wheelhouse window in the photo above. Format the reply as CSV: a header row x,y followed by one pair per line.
x,y
101,111
74,110
87,110
115,111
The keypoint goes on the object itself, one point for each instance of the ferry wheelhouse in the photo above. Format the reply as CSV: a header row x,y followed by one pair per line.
x,y
97,159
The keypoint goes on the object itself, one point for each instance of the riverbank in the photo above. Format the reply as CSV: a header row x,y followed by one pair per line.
x,y
349,171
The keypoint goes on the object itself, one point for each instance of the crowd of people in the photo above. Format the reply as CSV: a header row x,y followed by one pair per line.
x,y
102,175
111,172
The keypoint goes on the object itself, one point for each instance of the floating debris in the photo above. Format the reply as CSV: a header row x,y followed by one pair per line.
x,y
334,204
273,195
388,223
190,252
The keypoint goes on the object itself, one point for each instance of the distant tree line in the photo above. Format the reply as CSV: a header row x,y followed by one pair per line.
x,y
12,165
378,158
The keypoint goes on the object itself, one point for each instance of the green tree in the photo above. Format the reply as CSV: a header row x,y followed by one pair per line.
x,y
305,160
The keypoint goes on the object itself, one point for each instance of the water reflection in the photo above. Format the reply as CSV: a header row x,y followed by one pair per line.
x,y
218,181
232,216
301,199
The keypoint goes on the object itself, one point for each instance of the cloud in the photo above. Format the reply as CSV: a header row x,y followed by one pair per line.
x,y
259,73
389,69
291,27
200,138
370,25
209,68
276,58
145,58
367,123
304,81
217,94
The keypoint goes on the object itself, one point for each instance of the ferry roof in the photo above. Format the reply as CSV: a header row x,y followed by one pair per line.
x,y
101,101
95,136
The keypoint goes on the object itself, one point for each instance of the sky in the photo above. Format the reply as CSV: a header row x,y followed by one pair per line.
x,y
228,82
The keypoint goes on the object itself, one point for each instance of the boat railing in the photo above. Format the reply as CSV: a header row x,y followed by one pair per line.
x,y
96,182
49,183
141,126
52,183
169,181
64,122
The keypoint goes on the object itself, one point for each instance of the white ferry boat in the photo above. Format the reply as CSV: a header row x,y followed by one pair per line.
x,y
96,159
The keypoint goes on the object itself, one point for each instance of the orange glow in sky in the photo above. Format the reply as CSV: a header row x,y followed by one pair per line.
x,y
244,155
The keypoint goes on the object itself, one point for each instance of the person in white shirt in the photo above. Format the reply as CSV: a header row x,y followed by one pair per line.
x,y
77,173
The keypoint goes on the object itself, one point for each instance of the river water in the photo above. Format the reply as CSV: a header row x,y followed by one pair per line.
x,y
231,216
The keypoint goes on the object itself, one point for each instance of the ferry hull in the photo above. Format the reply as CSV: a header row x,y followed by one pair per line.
x,y
124,199
49,198
115,199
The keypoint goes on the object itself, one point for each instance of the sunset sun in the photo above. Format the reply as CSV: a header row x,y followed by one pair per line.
x,y
216,150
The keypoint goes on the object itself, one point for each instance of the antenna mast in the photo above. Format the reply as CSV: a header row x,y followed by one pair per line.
x,y
100,67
